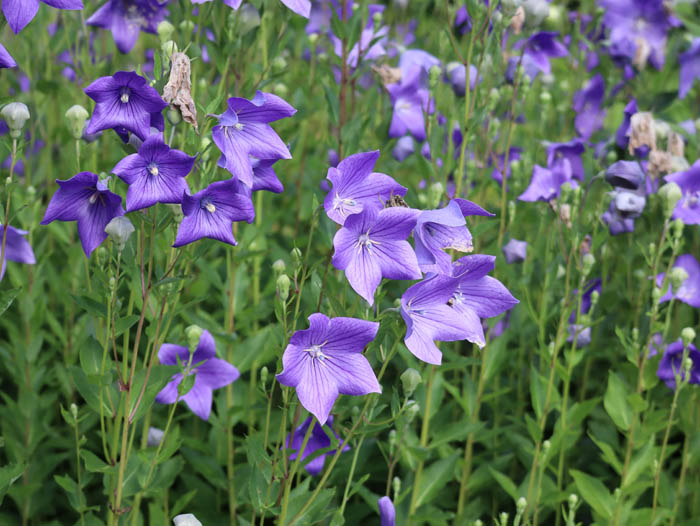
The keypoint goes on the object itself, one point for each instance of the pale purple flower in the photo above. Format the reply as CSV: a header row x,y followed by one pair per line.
x,y
671,364
564,159
410,99
356,187
417,58
20,12
6,60
211,212
688,207
243,131
457,76
515,251
617,223
127,18
387,513
545,184
463,23
210,373
17,248
318,440
156,174
497,173
404,148
689,291
625,174
690,68
542,46
124,100
372,40
372,245
587,104
87,200
326,360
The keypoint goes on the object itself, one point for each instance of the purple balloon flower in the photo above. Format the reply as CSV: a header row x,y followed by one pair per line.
x,y
127,18
564,158
671,364
387,513
17,248
243,131
621,137
318,440
690,68
87,200
156,174
20,12
617,223
210,373
326,360
212,211
372,245
688,207
123,100
625,174
515,251
545,184
410,99
404,147
689,291
497,173
542,46
6,61
356,187
587,104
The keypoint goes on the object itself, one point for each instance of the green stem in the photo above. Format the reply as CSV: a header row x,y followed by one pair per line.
x,y
424,434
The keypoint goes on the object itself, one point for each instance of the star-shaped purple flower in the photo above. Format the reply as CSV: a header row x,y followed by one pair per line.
x,y
326,360
564,159
123,100
127,18
542,46
587,105
20,12
690,67
689,291
545,184
156,174
6,60
372,245
210,373
671,364
212,211
318,440
243,131
410,99
688,207
356,186
17,248
87,200
262,177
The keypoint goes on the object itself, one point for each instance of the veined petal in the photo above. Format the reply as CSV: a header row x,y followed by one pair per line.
x,y
486,296
397,260
168,394
168,353
349,334
19,13
199,398
363,273
317,391
216,373
351,372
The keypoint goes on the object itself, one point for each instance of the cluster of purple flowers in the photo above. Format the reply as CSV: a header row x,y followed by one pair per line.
x,y
156,173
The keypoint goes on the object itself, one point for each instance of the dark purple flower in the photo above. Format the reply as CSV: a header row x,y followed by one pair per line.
x,y
689,291
372,245
356,187
318,440
690,68
6,61
542,46
404,147
243,131
515,251
211,212
326,360
155,175
587,104
545,184
671,364
582,333
20,12
124,100
417,58
688,207
564,159
621,136
17,248
457,75
210,373
617,223
625,174
410,100
87,200
463,23
372,40
387,513
126,18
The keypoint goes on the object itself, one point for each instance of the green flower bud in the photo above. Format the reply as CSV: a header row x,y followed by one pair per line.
x,y
503,517
77,116
74,411
545,97
193,334
282,285
102,256
296,257
561,271
169,48
281,90
165,31
279,266
177,212
670,194
678,228
174,116
410,380
31,192
119,229
521,504
595,296
687,336
16,115
652,248
635,334
435,193
573,500
588,262
187,27
313,38
655,295
511,211
279,64
355,411
677,276
392,442
248,18
112,283
478,522
204,146
611,157
545,446
687,366
412,409
377,18
493,98
396,486
264,372
434,77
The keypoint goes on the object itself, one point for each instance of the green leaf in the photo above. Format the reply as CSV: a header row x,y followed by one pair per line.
x,y
641,463
160,375
8,475
333,104
89,391
91,357
93,463
122,324
594,493
90,305
616,403
7,297
435,477
507,484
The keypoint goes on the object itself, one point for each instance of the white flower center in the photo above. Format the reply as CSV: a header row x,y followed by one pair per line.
x,y
316,353
238,126
210,207
153,168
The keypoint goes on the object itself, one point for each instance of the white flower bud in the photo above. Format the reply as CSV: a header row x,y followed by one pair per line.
x,y
193,333
410,380
119,229
165,31
283,284
15,114
573,500
521,504
670,194
186,519
279,266
248,18
154,436
687,336
77,116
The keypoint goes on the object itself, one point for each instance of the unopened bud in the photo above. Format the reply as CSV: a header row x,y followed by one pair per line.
x,y
279,266
434,77
169,48
545,97
186,519
174,116
392,442
511,211
281,90
655,295
573,500
186,26
119,229
102,256
521,504
264,372
377,18
165,31
503,517
204,146
687,336
478,522
355,411
396,485
279,64
687,366
193,334
154,436
283,284
670,194
248,18
550,349
296,257
545,446
595,296
77,116
112,283
410,380
412,409
678,228
435,193
16,115
74,411
677,276
31,192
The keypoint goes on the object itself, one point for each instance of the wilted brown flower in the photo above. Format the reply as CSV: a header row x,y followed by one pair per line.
x,y
178,90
